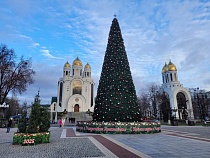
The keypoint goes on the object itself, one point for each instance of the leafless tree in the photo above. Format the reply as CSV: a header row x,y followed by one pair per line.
x,y
154,95
14,106
144,103
14,77
150,99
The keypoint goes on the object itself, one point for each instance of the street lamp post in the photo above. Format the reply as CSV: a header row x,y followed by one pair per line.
x,y
174,110
3,106
154,103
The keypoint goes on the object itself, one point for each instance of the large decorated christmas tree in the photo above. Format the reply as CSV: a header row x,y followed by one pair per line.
x,y
116,98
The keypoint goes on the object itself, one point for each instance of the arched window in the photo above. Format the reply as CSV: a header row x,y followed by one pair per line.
x,y
61,92
77,87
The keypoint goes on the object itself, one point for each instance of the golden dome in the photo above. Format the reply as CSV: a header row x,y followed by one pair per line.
x,y
67,65
165,68
87,66
171,66
77,62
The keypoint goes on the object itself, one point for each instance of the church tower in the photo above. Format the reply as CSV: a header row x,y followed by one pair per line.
x,y
179,97
66,69
87,71
75,92
77,67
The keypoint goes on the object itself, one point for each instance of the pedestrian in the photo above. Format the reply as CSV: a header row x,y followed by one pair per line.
x,y
9,125
60,122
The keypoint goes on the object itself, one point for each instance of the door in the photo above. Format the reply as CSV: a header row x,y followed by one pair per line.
x,y
76,108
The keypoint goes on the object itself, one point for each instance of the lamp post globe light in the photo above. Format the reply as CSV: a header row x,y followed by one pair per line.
x,y
3,107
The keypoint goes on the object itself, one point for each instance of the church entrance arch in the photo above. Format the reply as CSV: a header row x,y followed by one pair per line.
x,y
76,108
182,106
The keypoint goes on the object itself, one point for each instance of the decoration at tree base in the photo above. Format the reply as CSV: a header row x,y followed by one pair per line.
x,y
118,127
28,142
116,98
31,138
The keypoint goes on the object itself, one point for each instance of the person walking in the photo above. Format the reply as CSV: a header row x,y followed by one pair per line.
x,y
9,125
60,122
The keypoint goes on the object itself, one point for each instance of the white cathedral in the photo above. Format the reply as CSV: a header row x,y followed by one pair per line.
x,y
75,92
179,97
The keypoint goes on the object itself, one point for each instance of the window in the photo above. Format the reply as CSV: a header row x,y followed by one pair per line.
x,y
77,87
60,92
171,77
77,90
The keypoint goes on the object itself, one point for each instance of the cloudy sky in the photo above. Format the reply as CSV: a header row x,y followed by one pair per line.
x,y
154,31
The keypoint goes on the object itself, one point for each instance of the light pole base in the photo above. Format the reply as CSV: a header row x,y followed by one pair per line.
x,y
169,122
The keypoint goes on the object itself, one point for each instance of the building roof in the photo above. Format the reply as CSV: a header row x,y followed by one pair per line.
x,y
45,105
54,99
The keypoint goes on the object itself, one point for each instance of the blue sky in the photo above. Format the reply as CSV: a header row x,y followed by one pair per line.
x,y
154,31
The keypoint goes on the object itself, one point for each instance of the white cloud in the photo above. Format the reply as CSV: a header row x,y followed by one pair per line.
x,y
35,44
46,53
25,37
177,30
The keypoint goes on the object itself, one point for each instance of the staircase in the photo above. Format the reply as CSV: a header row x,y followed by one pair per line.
x,y
79,116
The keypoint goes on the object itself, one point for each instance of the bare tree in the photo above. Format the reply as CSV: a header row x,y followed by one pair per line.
x,y
144,103
154,96
14,77
165,110
150,99
14,106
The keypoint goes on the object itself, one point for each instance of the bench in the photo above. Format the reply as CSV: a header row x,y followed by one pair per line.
x,y
191,123
206,123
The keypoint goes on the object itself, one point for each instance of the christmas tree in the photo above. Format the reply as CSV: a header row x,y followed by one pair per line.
x,y
116,98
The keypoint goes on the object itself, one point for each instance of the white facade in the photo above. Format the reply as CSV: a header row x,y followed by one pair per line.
x,y
172,87
75,92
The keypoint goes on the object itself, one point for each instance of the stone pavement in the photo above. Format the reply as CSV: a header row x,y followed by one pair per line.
x,y
172,142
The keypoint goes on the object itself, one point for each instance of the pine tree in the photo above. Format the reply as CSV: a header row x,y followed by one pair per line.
x,y
22,123
34,120
116,98
39,120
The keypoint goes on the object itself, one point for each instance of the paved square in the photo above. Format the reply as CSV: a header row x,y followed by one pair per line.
x,y
172,142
